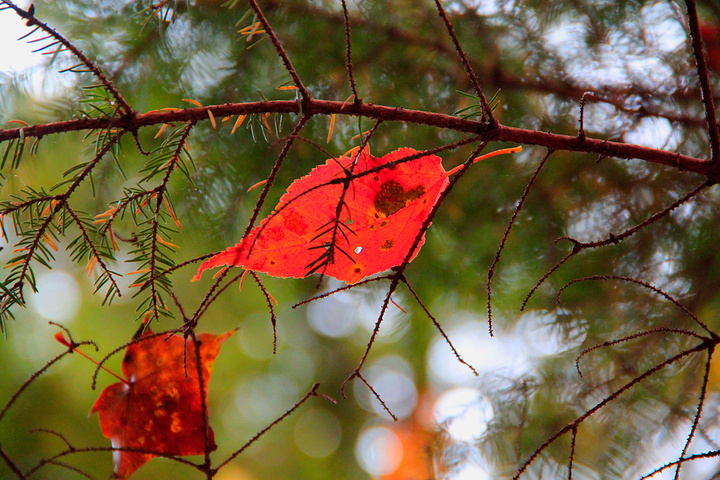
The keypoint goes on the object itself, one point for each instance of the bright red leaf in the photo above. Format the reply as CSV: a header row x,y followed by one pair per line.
x,y
159,408
381,216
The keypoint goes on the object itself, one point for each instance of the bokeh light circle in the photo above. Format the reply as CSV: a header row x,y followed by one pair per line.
x,y
378,451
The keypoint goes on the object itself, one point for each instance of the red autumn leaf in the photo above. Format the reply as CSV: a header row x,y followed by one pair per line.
x,y
382,214
379,220
159,408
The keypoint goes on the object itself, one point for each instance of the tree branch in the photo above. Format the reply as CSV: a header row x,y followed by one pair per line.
x,y
500,133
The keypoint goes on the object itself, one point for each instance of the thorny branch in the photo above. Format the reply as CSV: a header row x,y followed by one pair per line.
x,y
499,133
572,425
702,70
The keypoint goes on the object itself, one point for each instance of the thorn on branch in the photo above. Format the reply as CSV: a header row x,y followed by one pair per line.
x,y
31,14
583,100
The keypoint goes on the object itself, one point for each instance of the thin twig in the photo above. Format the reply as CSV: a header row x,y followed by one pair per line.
x,y
340,289
280,50
572,452
162,187
94,250
617,238
498,253
578,246
203,397
377,396
705,88
634,336
647,285
439,328
273,174
312,393
487,111
570,426
16,470
348,52
698,411
581,130
269,300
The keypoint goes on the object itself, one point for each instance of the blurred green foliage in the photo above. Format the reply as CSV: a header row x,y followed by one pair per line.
x,y
541,56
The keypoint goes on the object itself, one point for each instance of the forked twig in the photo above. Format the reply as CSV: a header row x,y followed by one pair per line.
x,y
570,426
280,50
634,336
487,111
698,411
642,284
578,246
617,238
400,269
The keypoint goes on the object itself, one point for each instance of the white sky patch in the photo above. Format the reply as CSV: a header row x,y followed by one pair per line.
x,y
661,21
500,355
465,412
16,56
653,132
470,472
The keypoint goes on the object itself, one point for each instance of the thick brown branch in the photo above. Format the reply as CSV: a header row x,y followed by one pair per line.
x,y
381,112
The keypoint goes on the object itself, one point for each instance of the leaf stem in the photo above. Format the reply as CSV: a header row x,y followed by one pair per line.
x,y
487,155
73,348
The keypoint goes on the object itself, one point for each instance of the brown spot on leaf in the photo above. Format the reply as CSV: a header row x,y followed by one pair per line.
x,y
295,223
393,197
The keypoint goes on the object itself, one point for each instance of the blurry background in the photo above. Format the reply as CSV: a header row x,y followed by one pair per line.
x,y
540,57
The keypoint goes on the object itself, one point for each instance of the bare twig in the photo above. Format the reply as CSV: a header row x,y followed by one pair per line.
x,y
348,53
570,426
642,284
498,253
11,464
487,111
280,50
312,393
702,69
698,411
